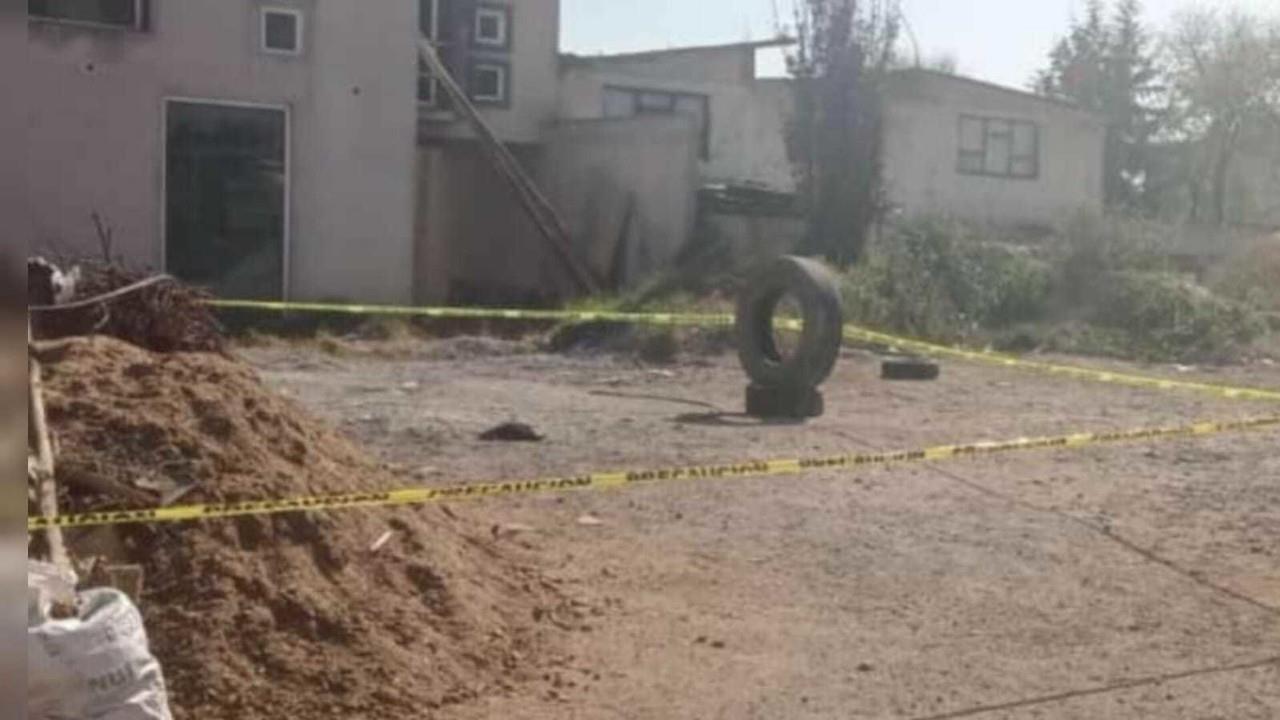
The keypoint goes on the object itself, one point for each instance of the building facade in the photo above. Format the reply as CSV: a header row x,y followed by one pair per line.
x,y
262,147
969,149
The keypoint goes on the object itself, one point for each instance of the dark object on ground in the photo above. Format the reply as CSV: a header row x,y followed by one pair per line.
x,y
162,317
589,336
798,403
512,432
818,293
905,368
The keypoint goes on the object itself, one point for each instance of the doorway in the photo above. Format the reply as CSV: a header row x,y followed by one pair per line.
x,y
226,192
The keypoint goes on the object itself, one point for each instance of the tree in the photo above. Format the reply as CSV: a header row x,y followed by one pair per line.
x,y
1077,64
1131,93
1225,77
843,54
1107,66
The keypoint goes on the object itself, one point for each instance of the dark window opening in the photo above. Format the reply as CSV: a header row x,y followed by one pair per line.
x,y
282,31
225,198
489,82
115,13
493,23
630,102
999,148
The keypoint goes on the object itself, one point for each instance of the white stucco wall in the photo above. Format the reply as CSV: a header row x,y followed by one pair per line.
x,y
747,120
921,154
597,168
95,133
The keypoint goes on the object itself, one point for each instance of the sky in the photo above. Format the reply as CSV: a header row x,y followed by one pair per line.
x,y
1003,41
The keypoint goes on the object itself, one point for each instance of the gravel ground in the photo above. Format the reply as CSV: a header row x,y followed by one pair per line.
x,y
1130,581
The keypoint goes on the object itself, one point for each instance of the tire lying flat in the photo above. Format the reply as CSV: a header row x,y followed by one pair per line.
x,y
816,289
906,368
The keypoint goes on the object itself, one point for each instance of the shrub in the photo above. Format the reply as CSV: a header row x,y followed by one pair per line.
x,y
1090,247
1252,276
933,278
1169,318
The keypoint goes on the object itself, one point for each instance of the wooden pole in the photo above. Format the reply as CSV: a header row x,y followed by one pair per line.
x,y
44,470
539,209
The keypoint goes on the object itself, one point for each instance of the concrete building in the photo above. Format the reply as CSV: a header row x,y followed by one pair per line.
x,y
965,148
680,121
262,147
740,118
474,242
277,148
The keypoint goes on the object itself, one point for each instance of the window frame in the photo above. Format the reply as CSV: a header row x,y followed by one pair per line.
x,y
434,35
704,150
503,15
965,154
299,30
141,19
480,64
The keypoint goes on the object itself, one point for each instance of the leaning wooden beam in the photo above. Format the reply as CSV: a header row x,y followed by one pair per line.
x,y
38,438
540,210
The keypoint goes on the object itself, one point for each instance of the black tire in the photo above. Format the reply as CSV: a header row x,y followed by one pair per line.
x,y
818,292
910,369
791,403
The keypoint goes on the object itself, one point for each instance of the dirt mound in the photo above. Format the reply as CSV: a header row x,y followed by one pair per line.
x,y
288,616
160,314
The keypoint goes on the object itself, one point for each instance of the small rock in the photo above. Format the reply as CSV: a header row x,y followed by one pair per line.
x,y
512,432
510,529
590,521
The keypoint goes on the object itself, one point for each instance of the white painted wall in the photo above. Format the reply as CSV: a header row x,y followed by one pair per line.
x,y
747,120
95,138
922,117
596,168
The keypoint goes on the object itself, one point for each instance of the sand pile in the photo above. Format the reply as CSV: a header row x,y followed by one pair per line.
x,y
288,616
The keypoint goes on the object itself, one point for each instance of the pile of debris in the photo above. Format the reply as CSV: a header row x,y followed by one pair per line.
x,y
104,298
386,613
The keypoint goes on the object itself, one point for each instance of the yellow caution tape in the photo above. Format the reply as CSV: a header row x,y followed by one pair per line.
x,y
1104,376
462,313
722,319
608,480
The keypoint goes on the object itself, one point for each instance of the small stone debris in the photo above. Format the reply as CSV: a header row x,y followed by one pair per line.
x,y
590,521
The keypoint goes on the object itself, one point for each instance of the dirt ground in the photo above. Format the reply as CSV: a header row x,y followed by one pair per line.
x,y
1138,581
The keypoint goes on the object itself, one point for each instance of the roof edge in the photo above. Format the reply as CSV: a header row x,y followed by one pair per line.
x,y
1025,94
780,41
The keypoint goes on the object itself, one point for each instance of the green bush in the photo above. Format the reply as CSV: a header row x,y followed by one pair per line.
x,y
936,279
1169,318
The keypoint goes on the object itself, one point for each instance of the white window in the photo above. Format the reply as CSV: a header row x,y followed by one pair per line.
x,y
491,26
999,148
282,31
124,14
489,82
